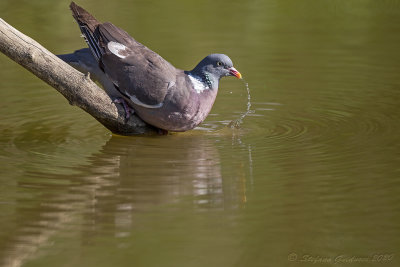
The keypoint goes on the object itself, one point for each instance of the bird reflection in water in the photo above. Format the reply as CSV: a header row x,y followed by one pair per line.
x,y
126,177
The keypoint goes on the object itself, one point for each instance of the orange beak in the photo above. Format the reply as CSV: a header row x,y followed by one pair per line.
x,y
234,72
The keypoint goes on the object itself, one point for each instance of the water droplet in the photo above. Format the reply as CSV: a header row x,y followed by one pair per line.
x,y
236,123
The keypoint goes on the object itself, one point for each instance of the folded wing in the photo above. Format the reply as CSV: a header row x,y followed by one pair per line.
x,y
138,73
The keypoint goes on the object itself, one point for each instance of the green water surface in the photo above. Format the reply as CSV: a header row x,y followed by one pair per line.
x,y
311,177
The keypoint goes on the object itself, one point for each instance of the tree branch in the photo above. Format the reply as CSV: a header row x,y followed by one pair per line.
x,y
76,87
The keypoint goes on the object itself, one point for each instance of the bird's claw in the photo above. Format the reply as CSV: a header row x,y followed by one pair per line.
x,y
128,110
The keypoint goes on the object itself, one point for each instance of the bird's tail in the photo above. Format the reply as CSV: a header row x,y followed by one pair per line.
x,y
87,24
84,61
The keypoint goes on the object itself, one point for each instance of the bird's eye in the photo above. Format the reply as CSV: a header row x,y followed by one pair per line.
x,y
219,63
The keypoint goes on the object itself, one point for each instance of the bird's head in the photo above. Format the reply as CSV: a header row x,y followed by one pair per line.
x,y
215,66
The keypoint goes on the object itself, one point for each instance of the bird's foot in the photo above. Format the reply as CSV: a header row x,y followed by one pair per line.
x,y
128,110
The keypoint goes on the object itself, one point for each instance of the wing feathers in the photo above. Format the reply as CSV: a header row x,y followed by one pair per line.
x,y
140,74
83,17
87,24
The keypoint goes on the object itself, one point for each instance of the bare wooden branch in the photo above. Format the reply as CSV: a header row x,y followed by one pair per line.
x,y
76,87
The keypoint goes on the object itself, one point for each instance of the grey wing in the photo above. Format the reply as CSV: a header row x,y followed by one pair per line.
x,y
138,72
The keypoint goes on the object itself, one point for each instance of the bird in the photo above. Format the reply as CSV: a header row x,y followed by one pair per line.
x,y
163,96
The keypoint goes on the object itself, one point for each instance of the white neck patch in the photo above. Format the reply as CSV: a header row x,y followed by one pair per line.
x,y
198,85
116,48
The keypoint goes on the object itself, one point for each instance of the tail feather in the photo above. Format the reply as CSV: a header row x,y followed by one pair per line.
x,y
84,61
87,24
69,58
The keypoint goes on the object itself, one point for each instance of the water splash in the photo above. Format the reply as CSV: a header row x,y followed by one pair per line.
x,y
235,124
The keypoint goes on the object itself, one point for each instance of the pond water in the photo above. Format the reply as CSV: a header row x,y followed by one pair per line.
x,y
311,176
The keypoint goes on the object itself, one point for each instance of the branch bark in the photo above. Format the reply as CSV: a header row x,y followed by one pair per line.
x,y
76,87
